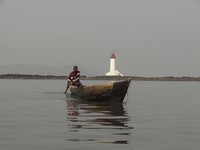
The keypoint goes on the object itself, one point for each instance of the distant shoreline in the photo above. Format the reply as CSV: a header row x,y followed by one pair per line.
x,y
135,78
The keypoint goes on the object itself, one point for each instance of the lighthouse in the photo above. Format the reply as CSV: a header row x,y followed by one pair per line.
x,y
113,71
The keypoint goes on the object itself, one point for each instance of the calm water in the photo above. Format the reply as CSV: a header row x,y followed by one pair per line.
x,y
36,115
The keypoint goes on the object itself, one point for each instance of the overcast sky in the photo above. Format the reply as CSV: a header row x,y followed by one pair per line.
x,y
149,37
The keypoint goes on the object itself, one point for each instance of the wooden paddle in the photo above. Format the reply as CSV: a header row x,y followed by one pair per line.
x,y
68,85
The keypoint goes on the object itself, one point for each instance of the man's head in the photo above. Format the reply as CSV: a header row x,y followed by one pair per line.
x,y
75,68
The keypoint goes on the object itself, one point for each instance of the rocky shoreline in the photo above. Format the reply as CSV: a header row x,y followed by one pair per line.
x,y
136,78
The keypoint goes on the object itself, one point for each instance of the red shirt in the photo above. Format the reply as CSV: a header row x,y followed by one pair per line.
x,y
74,77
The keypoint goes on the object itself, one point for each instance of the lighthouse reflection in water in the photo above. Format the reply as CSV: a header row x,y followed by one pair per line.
x,y
98,122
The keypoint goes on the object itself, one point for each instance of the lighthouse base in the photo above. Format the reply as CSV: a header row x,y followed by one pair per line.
x,y
114,73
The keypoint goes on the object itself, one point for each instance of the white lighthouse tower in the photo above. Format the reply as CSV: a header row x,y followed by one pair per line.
x,y
113,71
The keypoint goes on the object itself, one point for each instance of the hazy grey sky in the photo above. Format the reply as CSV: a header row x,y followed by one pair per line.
x,y
149,37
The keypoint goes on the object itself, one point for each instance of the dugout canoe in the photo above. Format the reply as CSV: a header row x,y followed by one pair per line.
x,y
115,91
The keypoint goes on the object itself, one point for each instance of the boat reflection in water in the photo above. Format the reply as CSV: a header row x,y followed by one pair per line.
x,y
102,122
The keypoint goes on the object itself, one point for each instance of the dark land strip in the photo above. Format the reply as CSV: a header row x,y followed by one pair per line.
x,y
136,78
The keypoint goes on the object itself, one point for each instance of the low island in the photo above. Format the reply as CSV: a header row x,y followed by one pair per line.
x,y
136,78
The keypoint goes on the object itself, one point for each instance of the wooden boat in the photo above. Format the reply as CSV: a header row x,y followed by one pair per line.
x,y
115,91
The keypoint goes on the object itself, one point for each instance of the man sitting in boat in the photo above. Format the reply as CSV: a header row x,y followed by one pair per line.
x,y
73,78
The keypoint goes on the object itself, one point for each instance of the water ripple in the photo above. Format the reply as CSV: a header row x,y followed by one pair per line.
x,y
97,122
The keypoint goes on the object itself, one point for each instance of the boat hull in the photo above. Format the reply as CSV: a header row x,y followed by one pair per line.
x,y
110,91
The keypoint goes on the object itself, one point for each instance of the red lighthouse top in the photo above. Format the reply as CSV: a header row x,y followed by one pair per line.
x,y
113,56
